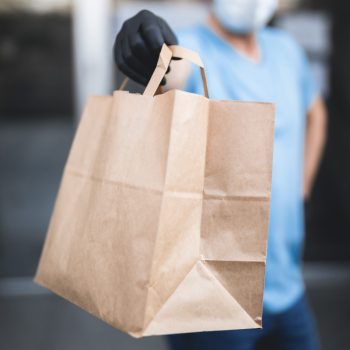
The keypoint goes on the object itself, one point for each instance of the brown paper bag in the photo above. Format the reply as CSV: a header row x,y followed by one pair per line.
x,y
160,224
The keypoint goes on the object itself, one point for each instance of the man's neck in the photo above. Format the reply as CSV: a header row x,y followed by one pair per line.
x,y
246,44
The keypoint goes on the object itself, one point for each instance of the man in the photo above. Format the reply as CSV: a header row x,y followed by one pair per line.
x,y
245,60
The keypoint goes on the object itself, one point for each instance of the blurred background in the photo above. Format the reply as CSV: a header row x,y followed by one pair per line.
x,y
53,54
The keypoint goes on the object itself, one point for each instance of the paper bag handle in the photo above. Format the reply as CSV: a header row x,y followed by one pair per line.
x,y
166,53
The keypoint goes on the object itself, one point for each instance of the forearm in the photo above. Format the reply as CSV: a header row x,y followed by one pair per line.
x,y
315,136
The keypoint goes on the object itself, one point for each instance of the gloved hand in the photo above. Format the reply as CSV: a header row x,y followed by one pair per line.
x,y
138,44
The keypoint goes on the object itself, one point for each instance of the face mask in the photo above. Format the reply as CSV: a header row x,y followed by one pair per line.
x,y
244,16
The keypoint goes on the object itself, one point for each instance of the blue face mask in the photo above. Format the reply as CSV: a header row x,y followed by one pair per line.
x,y
244,16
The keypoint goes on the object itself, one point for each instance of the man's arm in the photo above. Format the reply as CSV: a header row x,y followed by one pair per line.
x,y
315,136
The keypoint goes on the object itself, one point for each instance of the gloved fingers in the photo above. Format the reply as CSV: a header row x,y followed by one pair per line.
x,y
133,61
168,35
140,49
153,37
139,78
138,45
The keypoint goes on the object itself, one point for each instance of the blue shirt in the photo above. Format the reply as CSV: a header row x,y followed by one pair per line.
x,y
283,77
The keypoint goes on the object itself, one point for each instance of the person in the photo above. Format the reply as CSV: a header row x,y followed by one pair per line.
x,y
247,60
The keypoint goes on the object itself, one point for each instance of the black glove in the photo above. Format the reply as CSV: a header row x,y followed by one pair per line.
x,y
138,44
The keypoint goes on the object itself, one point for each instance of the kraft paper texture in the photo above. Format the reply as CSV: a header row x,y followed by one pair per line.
x,y
160,224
